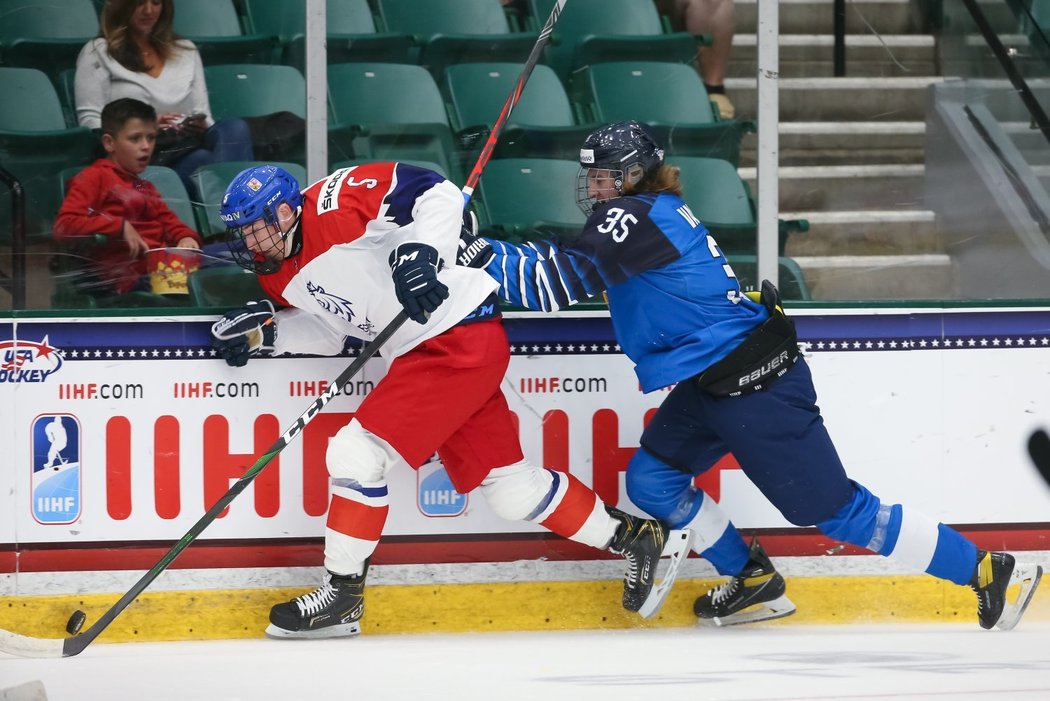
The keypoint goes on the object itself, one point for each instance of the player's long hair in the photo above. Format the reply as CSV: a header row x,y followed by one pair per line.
x,y
663,179
114,27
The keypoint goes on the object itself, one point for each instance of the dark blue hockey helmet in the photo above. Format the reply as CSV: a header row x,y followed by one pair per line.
x,y
628,150
254,195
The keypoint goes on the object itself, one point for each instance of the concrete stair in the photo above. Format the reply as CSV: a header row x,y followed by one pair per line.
x,y
851,148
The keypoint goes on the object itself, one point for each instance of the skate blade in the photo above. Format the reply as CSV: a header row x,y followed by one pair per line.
x,y
677,548
345,630
766,611
1026,577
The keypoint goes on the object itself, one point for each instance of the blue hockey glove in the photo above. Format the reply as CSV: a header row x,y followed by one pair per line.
x,y
244,332
474,252
414,267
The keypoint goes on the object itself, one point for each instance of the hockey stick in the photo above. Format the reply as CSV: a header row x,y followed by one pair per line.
x,y
512,99
1039,451
27,646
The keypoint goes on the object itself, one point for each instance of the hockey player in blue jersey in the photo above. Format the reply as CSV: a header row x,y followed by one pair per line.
x,y
740,386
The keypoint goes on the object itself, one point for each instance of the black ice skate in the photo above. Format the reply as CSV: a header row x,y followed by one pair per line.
x,y
993,576
642,542
756,594
331,611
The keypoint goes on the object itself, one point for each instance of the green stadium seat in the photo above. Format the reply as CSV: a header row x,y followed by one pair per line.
x,y
251,90
214,26
720,198
451,32
223,287
34,145
211,182
594,31
670,97
350,28
530,198
47,35
390,112
541,124
170,186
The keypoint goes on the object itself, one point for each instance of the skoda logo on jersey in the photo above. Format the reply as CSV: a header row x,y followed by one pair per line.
x,y
436,496
331,303
55,473
22,360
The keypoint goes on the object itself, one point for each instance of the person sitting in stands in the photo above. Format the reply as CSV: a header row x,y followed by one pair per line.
x,y
111,199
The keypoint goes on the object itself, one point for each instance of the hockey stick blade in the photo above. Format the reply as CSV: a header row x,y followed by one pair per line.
x,y
1039,451
677,548
28,646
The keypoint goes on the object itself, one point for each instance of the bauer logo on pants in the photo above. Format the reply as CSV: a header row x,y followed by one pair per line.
x,y
436,495
56,468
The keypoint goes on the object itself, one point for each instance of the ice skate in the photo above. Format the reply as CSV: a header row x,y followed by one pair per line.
x,y
642,542
992,579
332,611
756,594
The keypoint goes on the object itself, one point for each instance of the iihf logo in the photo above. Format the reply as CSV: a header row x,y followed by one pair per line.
x,y
56,469
435,494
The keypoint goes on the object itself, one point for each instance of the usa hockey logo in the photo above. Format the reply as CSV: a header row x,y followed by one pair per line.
x,y
436,496
56,485
28,361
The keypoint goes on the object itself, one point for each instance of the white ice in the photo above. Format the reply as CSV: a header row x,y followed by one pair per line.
x,y
772,663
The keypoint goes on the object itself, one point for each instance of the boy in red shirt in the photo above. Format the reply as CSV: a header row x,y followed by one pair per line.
x,y
109,198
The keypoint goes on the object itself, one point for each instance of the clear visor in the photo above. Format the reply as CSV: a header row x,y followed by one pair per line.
x,y
596,185
258,246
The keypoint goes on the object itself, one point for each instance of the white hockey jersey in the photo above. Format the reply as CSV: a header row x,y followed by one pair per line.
x,y
339,284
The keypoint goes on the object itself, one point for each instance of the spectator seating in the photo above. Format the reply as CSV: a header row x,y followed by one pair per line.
x,y
450,32
35,143
387,111
529,198
350,28
668,96
594,31
46,35
250,90
541,124
215,27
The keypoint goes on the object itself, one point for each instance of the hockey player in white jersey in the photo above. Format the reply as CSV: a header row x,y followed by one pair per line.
x,y
343,258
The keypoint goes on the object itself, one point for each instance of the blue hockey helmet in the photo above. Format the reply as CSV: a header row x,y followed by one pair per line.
x,y
628,150
253,195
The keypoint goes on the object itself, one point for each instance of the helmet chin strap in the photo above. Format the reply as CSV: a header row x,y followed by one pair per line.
x,y
289,237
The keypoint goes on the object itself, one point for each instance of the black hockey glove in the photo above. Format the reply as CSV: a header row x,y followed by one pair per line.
x,y
474,252
414,267
244,332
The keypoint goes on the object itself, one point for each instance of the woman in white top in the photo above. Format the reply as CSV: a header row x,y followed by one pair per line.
x,y
137,55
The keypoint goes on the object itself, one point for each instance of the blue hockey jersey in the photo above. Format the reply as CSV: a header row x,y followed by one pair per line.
x,y
675,303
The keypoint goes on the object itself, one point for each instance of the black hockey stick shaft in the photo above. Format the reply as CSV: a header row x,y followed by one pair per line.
x,y
512,99
1039,451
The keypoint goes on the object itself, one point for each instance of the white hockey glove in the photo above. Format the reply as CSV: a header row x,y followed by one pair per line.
x,y
244,332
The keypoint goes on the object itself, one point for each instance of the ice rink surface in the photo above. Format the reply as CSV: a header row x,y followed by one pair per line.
x,y
773,663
